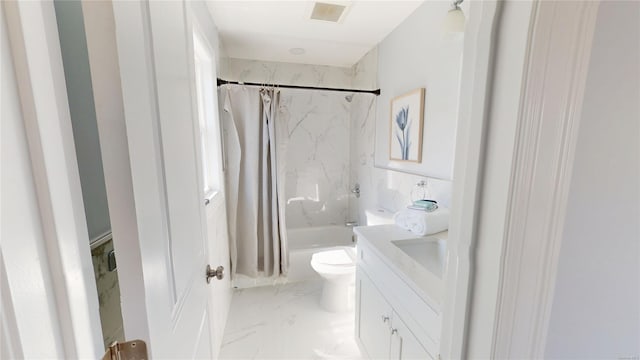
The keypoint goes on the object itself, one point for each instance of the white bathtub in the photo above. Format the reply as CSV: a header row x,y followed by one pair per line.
x,y
304,242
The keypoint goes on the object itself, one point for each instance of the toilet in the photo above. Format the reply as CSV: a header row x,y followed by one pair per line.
x,y
378,216
337,267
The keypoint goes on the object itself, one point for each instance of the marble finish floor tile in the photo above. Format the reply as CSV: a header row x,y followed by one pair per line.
x,y
287,322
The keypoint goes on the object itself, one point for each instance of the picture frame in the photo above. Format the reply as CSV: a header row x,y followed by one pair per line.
x,y
406,126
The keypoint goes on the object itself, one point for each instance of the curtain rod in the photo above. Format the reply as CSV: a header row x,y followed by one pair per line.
x,y
225,82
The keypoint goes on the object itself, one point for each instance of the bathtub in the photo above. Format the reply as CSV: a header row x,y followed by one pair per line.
x,y
304,242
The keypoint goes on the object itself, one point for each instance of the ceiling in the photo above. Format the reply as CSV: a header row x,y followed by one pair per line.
x,y
267,30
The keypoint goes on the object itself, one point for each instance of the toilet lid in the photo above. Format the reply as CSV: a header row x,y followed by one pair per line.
x,y
334,257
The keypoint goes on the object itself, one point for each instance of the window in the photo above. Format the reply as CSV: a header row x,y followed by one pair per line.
x,y
207,105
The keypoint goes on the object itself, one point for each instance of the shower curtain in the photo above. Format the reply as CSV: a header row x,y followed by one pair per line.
x,y
255,191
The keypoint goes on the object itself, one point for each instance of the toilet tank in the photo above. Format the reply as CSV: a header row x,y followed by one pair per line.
x,y
378,216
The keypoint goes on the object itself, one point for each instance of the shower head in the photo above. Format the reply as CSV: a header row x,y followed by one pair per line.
x,y
349,97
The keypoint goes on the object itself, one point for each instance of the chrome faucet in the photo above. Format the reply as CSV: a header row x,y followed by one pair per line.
x,y
356,190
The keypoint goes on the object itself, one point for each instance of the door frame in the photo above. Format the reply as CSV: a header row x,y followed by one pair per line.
x,y
475,94
532,233
36,53
554,82
102,48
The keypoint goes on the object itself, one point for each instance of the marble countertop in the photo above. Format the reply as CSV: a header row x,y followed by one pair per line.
x,y
425,277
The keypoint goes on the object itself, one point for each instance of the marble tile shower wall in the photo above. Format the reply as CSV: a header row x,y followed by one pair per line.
x,y
287,73
331,143
321,146
363,116
317,157
108,294
365,71
360,76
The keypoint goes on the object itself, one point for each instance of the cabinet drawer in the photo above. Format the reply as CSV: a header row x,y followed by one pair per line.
x,y
423,320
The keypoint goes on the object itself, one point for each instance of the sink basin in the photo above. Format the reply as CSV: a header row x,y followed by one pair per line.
x,y
428,252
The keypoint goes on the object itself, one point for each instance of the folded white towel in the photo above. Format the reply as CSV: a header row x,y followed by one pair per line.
x,y
423,223
401,219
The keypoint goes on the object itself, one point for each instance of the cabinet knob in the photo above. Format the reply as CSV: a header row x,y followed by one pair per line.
x,y
385,318
394,331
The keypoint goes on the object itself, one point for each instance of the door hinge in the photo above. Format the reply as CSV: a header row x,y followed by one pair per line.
x,y
128,350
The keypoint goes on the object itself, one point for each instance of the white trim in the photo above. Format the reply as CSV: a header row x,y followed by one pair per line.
x,y
105,50
10,345
102,50
43,95
550,105
474,97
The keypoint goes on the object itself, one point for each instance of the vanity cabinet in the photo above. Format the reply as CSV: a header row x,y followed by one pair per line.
x,y
374,325
380,330
404,344
392,321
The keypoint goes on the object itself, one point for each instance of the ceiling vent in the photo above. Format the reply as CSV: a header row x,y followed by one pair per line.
x,y
327,12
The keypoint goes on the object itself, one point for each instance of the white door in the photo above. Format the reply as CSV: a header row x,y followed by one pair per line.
x,y
154,69
144,102
211,165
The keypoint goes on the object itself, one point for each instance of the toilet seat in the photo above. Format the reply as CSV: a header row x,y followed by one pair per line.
x,y
343,256
337,261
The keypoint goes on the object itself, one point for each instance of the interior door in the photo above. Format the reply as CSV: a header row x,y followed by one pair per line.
x,y
205,69
161,127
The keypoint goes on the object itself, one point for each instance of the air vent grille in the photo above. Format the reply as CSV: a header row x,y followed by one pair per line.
x,y
327,12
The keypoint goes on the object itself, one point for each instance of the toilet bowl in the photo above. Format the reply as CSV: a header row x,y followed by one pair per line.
x,y
337,267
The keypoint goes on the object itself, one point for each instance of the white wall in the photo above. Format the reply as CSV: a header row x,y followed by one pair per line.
x,y
203,20
73,44
596,306
418,55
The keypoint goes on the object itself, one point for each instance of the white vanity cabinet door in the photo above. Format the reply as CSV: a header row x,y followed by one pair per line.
x,y
373,318
404,344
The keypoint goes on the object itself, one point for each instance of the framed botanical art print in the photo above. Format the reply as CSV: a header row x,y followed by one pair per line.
x,y
407,117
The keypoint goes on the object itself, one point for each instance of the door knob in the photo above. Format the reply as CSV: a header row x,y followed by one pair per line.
x,y
356,190
218,273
